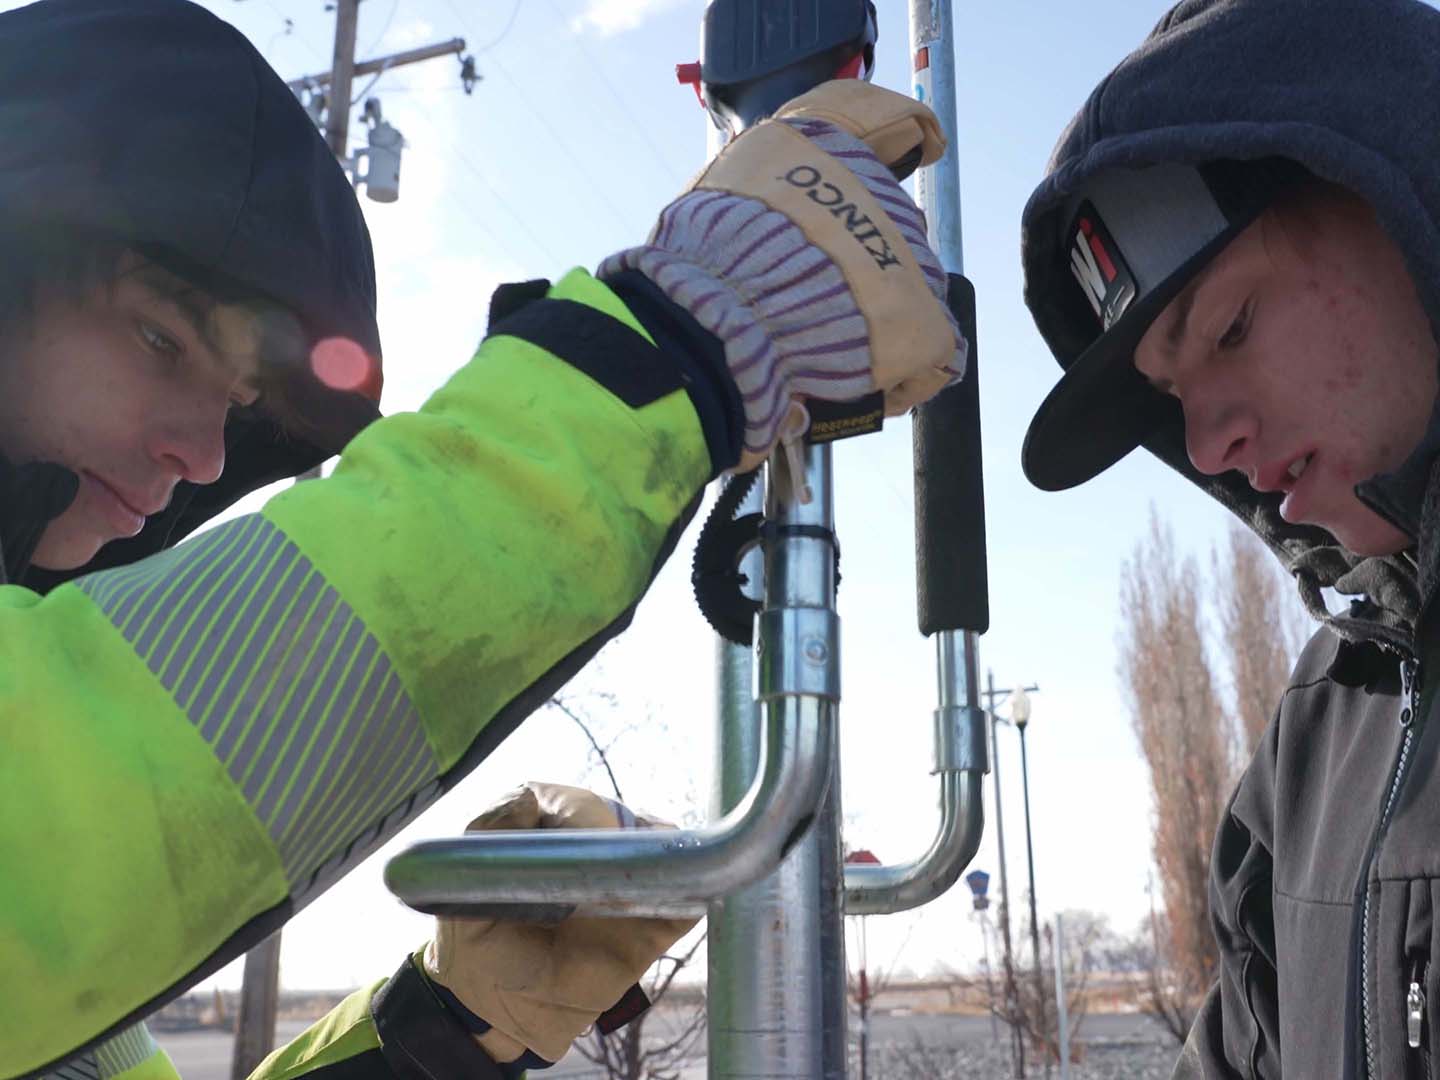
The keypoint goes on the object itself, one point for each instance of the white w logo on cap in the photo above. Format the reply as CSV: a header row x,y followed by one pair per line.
x,y
1087,273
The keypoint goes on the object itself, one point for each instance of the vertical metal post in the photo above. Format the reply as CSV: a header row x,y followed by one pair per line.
x,y
800,580
749,1024
937,191
751,1020
989,976
1017,1039
937,188
1061,1011
259,994
1034,918
776,950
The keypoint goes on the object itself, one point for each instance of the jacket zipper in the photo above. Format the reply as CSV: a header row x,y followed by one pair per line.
x,y
1415,1007
1409,711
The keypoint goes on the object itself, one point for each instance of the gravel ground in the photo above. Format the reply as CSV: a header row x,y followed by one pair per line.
x,y
903,1048
1108,1059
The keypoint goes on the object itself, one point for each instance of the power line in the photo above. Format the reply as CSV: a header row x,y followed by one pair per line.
x,y
504,204
509,25
596,189
394,5
289,31
369,86
635,125
591,184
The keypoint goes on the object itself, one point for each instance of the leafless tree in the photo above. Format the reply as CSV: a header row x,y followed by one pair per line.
x,y
1039,1017
1159,994
1185,737
599,754
919,1059
627,1054
1090,946
1192,740
1262,627
863,986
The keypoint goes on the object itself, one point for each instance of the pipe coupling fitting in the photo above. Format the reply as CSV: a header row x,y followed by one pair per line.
x,y
961,739
798,653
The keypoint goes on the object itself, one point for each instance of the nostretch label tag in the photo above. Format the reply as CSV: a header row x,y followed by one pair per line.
x,y
834,420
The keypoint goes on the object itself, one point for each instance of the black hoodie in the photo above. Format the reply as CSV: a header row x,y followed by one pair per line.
x,y
155,123
1325,875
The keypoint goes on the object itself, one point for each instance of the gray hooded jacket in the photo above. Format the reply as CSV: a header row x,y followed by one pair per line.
x,y
1325,880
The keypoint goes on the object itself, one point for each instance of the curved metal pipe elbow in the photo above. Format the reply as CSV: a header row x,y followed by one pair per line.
x,y
547,875
962,758
882,890
551,874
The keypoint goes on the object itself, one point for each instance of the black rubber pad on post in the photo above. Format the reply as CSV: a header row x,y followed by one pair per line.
x,y
951,575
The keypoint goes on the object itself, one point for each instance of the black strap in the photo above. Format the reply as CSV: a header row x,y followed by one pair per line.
x,y
606,349
715,568
514,295
700,357
723,544
419,1037
631,1007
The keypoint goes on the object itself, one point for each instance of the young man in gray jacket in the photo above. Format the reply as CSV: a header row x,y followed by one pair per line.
x,y
1235,257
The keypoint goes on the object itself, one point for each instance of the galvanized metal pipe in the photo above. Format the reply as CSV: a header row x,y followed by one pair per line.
x,y
800,582
776,949
762,973
883,890
961,756
672,872
635,872
961,759
937,187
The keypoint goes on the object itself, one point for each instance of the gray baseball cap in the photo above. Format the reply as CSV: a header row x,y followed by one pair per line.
x,y
1134,239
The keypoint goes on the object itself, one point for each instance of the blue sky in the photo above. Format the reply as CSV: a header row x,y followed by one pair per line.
x,y
574,140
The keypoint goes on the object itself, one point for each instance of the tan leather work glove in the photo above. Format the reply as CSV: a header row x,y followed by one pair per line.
x,y
537,986
800,251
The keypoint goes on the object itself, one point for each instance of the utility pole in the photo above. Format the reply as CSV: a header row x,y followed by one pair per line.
x,y
1012,992
342,72
337,84
259,1001
1020,717
260,988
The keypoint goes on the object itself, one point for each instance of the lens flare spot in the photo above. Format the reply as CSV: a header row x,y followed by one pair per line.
x,y
341,364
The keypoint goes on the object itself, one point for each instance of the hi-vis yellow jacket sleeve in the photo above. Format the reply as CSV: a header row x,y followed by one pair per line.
x,y
197,745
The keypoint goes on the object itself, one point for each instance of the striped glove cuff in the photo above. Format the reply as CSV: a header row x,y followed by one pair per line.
x,y
785,313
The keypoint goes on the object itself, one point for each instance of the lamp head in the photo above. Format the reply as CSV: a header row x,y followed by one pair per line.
x,y
1020,707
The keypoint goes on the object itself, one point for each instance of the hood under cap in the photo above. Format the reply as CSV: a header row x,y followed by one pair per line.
x,y
156,123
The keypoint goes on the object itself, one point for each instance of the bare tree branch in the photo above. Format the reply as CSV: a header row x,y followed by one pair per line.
x,y
559,703
623,1054
1185,738
662,984
1262,625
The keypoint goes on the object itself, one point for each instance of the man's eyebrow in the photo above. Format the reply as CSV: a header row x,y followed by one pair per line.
x,y
1175,332
180,297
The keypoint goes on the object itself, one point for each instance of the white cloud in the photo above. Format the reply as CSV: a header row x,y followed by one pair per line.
x,y
607,17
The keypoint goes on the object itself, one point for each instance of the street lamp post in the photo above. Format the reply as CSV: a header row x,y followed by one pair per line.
x,y
1013,1012
1020,716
